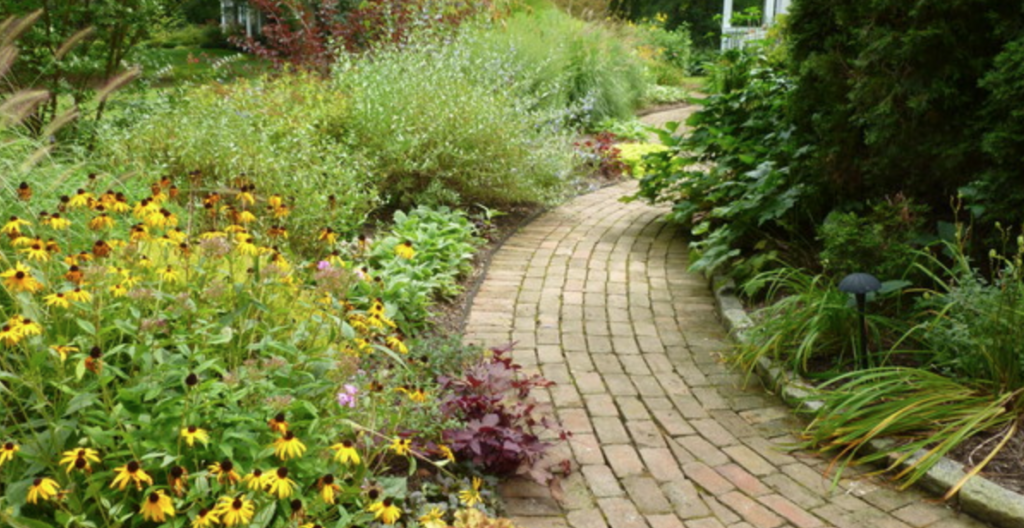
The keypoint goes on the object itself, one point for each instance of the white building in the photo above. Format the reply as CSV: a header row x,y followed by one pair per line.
x,y
735,36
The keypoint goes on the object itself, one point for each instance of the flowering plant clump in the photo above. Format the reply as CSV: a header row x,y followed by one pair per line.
x,y
167,359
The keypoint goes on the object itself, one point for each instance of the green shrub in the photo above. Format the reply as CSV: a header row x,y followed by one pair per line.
x,y
729,179
283,134
563,64
438,129
884,243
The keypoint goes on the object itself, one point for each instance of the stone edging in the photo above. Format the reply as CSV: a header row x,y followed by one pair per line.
x,y
979,497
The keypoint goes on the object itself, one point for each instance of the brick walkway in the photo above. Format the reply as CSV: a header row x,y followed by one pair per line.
x,y
664,436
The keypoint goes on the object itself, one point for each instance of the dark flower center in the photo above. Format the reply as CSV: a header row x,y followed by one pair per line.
x,y
132,466
226,465
282,472
154,497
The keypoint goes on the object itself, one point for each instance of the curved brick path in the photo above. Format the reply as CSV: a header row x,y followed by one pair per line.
x,y
597,295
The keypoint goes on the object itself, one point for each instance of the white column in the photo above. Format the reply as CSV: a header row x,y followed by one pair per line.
x,y
726,15
769,13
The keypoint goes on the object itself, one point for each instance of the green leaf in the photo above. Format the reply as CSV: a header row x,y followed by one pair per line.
x,y
86,326
264,516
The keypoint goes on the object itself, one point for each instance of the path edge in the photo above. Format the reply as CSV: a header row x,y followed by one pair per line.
x,y
979,497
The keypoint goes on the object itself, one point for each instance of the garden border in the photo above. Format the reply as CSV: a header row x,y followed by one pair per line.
x,y
979,497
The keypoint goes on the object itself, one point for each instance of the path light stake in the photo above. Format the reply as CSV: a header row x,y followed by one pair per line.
x,y
860,285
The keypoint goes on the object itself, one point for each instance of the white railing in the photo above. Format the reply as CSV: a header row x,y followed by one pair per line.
x,y
736,37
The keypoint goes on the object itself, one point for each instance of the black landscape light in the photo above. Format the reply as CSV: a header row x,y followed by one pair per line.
x,y
860,285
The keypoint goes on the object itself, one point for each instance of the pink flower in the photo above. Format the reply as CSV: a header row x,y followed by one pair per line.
x,y
348,396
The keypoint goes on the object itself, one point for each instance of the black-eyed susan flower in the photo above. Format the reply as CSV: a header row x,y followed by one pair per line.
x,y
257,480
225,472
298,512
24,192
169,274
101,249
138,233
328,488
446,452
63,351
101,222
27,326
81,459
13,226
345,452
401,446
10,335
278,423
7,452
129,473
52,247
405,250
385,511
94,361
36,251
433,519
276,231
471,497
58,300
280,484
246,246
288,446
192,433
177,236
206,518
58,222
397,344
327,235
78,295
74,274
118,290
81,199
235,510
417,395
177,480
157,507
44,488
20,279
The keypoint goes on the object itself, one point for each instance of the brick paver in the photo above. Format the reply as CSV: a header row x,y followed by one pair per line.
x,y
598,297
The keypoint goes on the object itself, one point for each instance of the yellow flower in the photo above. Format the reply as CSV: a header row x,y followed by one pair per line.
x,y
13,226
257,480
81,199
20,279
193,433
37,251
328,235
397,344
472,496
405,250
247,247
206,518
433,519
42,488
101,222
78,295
63,351
328,488
131,472
345,452
417,395
225,472
169,274
80,459
245,217
157,507
385,511
57,299
288,446
26,326
7,452
280,484
278,423
446,452
118,290
10,334
177,480
401,446
57,222
234,510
